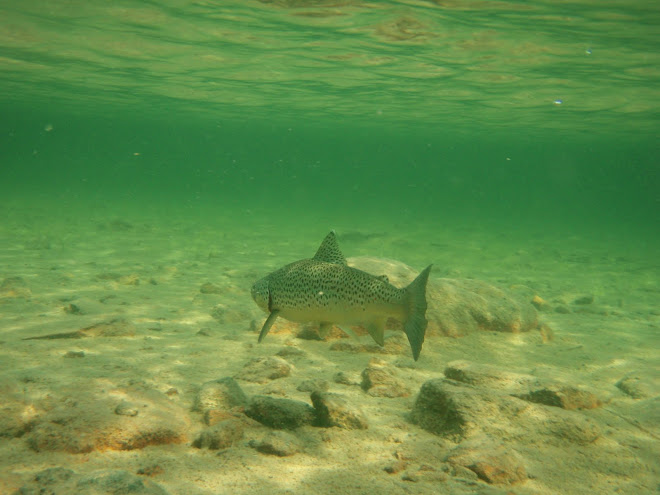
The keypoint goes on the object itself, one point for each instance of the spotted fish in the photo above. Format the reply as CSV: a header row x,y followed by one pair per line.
x,y
325,289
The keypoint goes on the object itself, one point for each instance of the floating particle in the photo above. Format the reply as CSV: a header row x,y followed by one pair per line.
x,y
558,102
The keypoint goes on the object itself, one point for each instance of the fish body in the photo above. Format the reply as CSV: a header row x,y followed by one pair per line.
x,y
325,289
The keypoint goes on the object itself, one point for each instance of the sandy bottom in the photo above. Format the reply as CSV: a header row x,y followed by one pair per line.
x,y
69,275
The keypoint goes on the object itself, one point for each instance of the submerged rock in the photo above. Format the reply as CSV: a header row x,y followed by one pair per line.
x,y
88,423
61,480
380,381
492,462
220,436
460,306
278,443
281,414
334,410
460,411
640,385
262,370
222,394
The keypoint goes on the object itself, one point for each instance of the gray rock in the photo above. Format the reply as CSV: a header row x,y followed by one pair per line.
x,y
584,300
222,394
526,387
334,410
346,378
278,443
220,436
75,354
210,288
262,370
116,482
313,385
639,385
485,375
60,480
460,306
281,414
126,409
459,411
564,396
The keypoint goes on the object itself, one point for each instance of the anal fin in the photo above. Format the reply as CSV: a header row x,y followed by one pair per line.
x,y
377,331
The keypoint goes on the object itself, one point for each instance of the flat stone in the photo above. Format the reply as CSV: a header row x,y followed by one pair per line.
x,y
640,385
313,385
564,396
209,288
222,394
118,327
334,410
115,482
14,287
380,381
523,386
58,480
460,411
220,436
492,377
278,443
262,370
281,414
226,314
86,422
492,462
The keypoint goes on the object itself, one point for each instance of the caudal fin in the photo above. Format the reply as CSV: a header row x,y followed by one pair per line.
x,y
415,324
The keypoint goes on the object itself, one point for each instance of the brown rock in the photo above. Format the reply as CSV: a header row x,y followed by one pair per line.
x,y
118,327
489,376
220,436
278,443
334,410
281,414
564,396
539,303
379,381
89,423
262,370
223,394
491,462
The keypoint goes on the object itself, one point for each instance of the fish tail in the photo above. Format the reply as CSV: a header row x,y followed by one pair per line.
x,y
415,324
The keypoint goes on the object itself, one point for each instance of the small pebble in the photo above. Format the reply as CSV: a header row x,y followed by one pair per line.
x,y
75,354
589,299
126,409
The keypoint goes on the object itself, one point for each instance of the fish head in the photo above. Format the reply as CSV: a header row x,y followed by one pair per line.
x,y
261,294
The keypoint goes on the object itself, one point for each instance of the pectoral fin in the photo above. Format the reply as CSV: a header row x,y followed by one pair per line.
x,y
269,323
377,331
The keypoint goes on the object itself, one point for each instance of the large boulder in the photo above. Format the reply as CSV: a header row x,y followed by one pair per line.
x,y
459,306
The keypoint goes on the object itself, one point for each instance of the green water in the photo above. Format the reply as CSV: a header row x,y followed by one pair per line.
x,y
498,114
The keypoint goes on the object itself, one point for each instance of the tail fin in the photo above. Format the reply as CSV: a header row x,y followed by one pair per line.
x,y
415,324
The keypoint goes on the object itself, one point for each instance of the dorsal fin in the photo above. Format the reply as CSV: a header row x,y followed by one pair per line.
x,y
329,250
